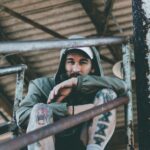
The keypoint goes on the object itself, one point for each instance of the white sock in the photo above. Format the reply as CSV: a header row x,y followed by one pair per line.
x,y
93,147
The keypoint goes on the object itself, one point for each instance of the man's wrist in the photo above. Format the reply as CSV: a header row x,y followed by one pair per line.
x,y
71,110
74,81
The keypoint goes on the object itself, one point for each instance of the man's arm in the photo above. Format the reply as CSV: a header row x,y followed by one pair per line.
x,y
62,90
87,84
73,110
91,83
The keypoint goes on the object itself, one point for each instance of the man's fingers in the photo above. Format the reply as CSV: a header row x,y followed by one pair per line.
x,y
51,96
56,89
48,101
60,99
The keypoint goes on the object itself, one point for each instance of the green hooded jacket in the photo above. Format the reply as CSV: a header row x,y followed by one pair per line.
x,y
87,86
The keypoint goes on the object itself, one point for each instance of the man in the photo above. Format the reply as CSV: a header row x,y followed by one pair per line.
x,y
77,86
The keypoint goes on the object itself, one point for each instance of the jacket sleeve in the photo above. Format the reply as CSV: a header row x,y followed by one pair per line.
x,y
34,96
90,84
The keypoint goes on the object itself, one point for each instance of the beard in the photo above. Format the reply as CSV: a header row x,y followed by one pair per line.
x,y
74,75
66,75
71,75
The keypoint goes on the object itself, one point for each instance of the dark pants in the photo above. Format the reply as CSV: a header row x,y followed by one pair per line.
x,y
69,143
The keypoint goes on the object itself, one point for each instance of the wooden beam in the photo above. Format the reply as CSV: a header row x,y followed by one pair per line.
x,y
94,14
107,12
7,102
100,20
4,116
104,58
31,22
5,127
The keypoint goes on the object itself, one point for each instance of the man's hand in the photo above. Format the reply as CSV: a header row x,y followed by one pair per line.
x,y
62,90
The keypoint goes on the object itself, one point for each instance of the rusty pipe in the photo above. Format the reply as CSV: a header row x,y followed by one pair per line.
x,y
61,125
25,46
12,69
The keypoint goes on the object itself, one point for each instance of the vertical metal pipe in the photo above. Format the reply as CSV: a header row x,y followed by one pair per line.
x,y
141,22
20,70
19,89
18,95
129,112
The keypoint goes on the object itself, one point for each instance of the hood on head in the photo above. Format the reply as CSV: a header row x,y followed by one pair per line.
x,y
61,73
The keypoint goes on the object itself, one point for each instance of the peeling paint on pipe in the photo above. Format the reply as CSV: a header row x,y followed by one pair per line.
x,y
129,112
11,69
25,46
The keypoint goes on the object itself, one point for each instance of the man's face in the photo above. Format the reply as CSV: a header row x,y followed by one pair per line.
x,y
78,64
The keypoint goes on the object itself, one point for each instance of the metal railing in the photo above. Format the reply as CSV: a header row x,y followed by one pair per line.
x,y
25,46
126,50
19,70
12,69
61,125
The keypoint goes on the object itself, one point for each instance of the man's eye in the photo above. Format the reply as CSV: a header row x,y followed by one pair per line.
x,y
70,62
83,62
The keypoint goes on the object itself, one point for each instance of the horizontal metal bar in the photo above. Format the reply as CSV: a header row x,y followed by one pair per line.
x,y
61,125
12,69
25,46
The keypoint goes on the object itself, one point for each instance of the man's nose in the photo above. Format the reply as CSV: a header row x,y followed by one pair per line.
x,y
76,68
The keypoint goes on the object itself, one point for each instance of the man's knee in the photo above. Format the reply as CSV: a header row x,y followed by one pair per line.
x,y
39,106
105,95
41,114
